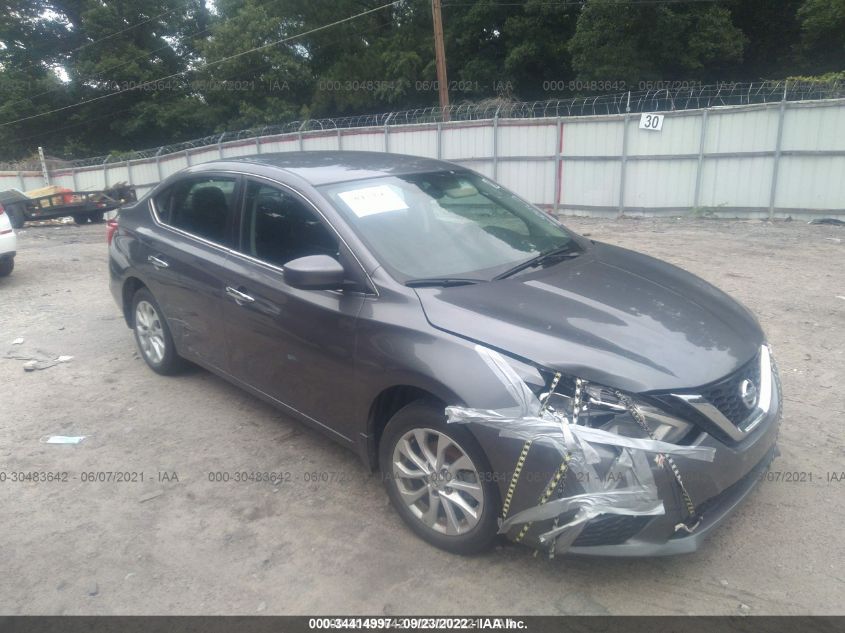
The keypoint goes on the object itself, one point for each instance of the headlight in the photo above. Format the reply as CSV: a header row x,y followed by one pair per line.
x,y
602,409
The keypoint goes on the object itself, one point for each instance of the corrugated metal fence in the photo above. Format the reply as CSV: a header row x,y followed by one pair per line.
x,y
765,160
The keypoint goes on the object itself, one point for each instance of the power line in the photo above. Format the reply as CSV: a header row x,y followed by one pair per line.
x,y
110,35
72,125
110,114
100,75
206,65
128,28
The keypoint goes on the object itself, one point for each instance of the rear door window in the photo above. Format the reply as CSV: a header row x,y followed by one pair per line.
x,y
200,206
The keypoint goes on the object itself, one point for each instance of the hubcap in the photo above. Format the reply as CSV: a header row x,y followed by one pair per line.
x,y
438,481
150,332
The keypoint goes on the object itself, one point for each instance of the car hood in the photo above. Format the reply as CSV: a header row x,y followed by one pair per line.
x,y
611,316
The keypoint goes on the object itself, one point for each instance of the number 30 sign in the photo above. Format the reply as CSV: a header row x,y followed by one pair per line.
x,y
650,121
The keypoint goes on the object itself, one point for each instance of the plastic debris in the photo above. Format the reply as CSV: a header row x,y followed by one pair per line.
x,y
17,341
64,439
38,359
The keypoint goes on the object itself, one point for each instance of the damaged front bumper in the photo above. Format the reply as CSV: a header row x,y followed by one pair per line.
x,y
658,538
586,491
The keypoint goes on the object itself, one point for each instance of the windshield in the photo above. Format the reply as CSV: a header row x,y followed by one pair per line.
x,y
451,224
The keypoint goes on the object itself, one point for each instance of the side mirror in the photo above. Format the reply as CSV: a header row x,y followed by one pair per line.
x,y
314,272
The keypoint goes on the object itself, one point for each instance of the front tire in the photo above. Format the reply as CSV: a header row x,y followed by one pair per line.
x,y
155,343
437,478
80,219
7,265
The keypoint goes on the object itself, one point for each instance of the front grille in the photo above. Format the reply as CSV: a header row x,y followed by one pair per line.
x,y
725,394
610,529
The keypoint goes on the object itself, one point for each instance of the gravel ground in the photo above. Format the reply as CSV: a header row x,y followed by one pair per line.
x,y
177,543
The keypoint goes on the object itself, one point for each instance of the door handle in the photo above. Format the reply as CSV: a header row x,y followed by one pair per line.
x,y
158,263
240,297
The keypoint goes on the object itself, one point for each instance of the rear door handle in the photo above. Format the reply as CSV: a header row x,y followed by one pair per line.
x,y
158,263
240,297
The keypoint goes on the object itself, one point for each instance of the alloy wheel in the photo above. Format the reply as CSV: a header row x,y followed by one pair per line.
x,y
438,481
150,332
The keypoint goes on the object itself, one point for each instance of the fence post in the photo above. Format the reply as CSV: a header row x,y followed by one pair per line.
x,y
219,146
158,162
496,144
106,172
73,179
558,158
188,157
339,143
258,138
20,182
387,133
622,165
778,144
129,171
439,140
702,140
45,172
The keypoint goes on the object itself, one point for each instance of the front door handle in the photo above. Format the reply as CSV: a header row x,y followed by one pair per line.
x,y
158,263
240,298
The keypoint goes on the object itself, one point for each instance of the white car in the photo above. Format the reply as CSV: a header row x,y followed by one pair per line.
x,y
8,244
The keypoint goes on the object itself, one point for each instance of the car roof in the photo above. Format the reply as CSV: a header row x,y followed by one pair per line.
x,y
320,168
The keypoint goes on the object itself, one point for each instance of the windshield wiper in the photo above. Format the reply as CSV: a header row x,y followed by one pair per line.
x,y
550,256
443,282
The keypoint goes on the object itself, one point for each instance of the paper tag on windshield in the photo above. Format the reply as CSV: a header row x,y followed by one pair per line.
x,y
372,200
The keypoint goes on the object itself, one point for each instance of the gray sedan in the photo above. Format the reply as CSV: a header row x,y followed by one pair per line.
x,y
507,376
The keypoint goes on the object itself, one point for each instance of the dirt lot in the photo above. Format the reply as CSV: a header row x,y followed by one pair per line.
x,y
193,546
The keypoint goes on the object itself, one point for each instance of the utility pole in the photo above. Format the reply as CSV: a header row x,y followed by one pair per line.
x,y
440,57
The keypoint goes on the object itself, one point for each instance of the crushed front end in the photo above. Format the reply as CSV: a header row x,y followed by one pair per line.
x,y
602,472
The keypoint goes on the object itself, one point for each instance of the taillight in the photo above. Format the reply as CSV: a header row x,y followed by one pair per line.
x,y
111,229
4,231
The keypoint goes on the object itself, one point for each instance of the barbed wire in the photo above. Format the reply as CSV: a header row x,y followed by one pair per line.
x,y
662,99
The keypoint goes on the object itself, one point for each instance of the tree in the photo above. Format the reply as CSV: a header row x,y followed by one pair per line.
x,y
30,47
772,34
266,86
102,57
106,52
822,35
635,41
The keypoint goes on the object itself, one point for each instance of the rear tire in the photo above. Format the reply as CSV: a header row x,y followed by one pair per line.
x,y
7,265
80,219
438,479
96,218
152,335
16,218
